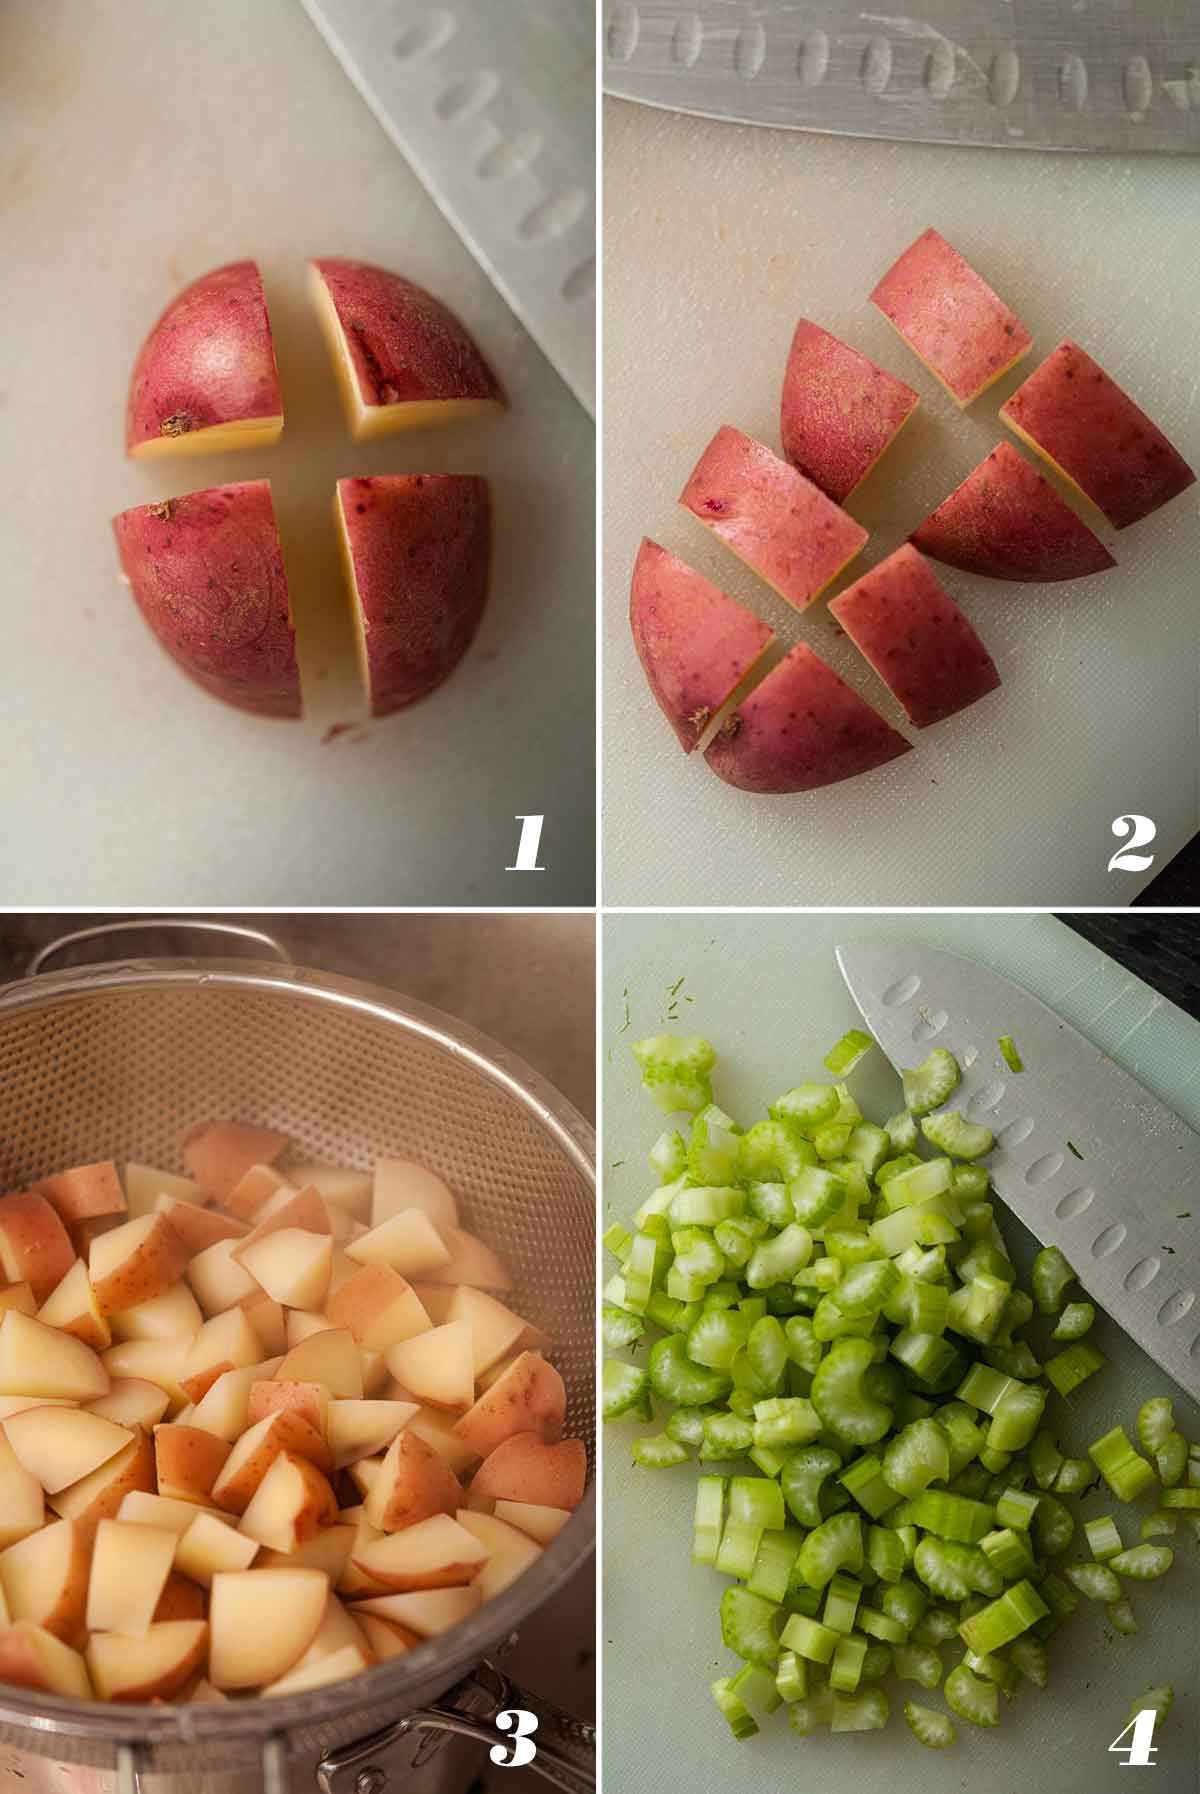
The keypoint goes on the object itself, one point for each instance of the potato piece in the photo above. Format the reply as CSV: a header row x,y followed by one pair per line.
x,y
402,1184
98,1496
144,1184
327,1550
255,1188
219,1153
950,318
403,360
224,1409
303,1209
378,1306
246,1653
134,1262
413,1483
169,1513
385,1640
210,1544
39,1360
437,1430
915,637
196,1227
257,1450
34,1245
408,1242
226,1342
60,1446
495,1329
695,642
529,1398
22,1501
218,1280
839,412
776,521
72,1307
84,1193
158,1361
20,1296
470,1262
524,1468
330,1357
292,1266
31,1657
46,1579
309,1400
349,1661
510,1552
188,1461
1006,522
132,1402
537,1522
166,1316
428,1612
359,1429
153,1667
267,1319
341,1188
130,1566
181,1599
290,1505
437,1366
435,1553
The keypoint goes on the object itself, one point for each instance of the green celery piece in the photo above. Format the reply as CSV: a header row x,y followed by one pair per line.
x,y
951,1132
840,1398
668,1156
1053,1526
791,1678
1050,1277
816,1195
617,1240
1074,1476
804,1349
953,1516
919,1183
1158,1523
1178,1498
1011,1056
815,1709
916,1457
930,1728
1155,1423
773,1565
767,1353
1158,1700
901,1131
952,1571
864,1480
1075,1320
935,1627
906,1602
773,1151
1144,1563
1028,1654
675,1070
1016,1508
737,1715
758,1501
756,1688
703,1205
802,1479
1095,1580
687,1425
1120,1616
777,1260
845,1669
867,1146
994,1669
1072,1366
1171,1460
842,1058
1104,1541
726,1436
675,1377
832,1140
1126,1474
917,1663
877,1624
841,1603
836,1544
885,1553
749,1626
621,1387
717,1338
927,1086
709,1521
1016,1418
864,1288
785,1420
1004,1619
1045,1459
1009,1551
713,1147
619,1328
809,1105
808,1638
659,1453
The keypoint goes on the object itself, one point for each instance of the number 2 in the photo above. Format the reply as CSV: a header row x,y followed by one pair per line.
x,y
1141,1746
1141,831
521,1724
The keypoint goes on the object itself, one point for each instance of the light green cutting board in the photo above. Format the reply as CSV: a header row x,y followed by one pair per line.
x,y
767,990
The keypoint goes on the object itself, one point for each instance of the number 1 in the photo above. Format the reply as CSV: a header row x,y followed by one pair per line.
x,y
528,845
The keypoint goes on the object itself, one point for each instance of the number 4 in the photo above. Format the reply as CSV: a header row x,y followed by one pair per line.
x,y
1141,1746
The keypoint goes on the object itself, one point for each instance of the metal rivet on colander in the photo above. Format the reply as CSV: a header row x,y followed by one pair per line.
x,y
370,1781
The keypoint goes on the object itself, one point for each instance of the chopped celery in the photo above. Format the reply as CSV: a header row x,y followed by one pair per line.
x,y
1160,1522
676,1377
953,1133
1053,1526
953,1516
1016,1508
1144,1563
659,1453
1171,1460
840,1398
791,1677
1126,1474
802,1479
865,1480
1028,1653
808,1105
1051,1276
1004,1619
808,1638
619,1328
1120,1616
1075,1320
841,1603
1011,1056
668,1156
1104,1541
709,1519
836,1544
1158,1700
928,1727
1095,1580
866,1711
621,1387
971,1698
1072,1366
737,1715
749,1626
927,1086
917,1663
756,1688
846,1054
804,1716
1155,1423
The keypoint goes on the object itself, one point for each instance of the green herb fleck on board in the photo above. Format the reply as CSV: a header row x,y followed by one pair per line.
x,y
1071,1147
1011,1056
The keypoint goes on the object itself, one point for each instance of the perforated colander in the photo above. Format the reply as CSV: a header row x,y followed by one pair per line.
x,y
111,1062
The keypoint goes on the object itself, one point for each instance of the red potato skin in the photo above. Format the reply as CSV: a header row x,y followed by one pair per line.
x,y
800,729
420,546
84,1193
208,360
777,521
404,343
1006,522
838,412
694,642
916,638
1071,410
949,315
38,1241
207,574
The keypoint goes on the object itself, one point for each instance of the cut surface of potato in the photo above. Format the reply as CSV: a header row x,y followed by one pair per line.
x,y
408,1242
130,1566
219,1153
379,1306
510,1552
540,1523
403,1184
35,1247
290,1505
211,1544
31,1657
60,1446
45,1579
134,1262
529,1398
292,1266
435,1553
428,1612
245,1653
413,1482
152,1667
437,1366
39,1360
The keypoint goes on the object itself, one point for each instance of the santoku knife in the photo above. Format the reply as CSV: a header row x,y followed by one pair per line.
x,y
1084,1156
1017,74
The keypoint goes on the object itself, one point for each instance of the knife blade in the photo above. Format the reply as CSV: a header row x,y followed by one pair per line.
x,y
1030,74
493,106
1084,1156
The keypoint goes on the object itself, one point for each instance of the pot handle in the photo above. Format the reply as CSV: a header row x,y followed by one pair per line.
x,y
101,930
564,1747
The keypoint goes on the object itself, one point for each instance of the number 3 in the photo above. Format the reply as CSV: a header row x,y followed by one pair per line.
x,y
1141,1747
1143,832
521,1724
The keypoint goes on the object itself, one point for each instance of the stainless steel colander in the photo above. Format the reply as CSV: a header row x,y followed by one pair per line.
x,y
110,1062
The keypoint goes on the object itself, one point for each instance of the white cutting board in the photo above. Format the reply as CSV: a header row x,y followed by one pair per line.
x,y
718,237
767,991
141,143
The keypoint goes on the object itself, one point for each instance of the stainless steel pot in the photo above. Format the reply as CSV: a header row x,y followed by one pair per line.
x,y
110,1061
